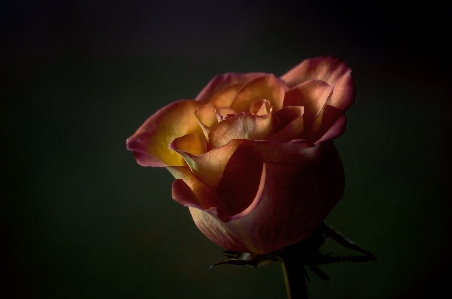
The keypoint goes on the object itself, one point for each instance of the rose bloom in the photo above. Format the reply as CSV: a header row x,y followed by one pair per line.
x,y
253,154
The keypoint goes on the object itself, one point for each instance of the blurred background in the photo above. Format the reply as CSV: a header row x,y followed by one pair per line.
x,y
79,217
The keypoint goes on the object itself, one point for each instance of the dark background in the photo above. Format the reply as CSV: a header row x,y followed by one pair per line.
x,y
79,217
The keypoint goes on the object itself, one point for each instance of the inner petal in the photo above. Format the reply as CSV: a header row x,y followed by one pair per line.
x,y
241,126
290,121
209,167
190,143
224,113
207,118
266,87
225,97
260,107
312,95
206,115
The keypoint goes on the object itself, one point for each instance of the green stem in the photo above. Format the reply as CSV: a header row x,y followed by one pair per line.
x,y
294,278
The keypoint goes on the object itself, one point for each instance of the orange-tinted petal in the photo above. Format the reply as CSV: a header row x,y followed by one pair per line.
x,y
206,115
188,190
241,126
210,166
311,94
207,118
224,97
220,82
261,107
331,70
194,144
149,144
265,87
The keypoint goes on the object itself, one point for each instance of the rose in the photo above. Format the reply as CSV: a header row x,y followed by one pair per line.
x,y
253,155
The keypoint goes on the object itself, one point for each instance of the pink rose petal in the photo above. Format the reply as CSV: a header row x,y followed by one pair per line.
x,y
294,199
312,94
331,70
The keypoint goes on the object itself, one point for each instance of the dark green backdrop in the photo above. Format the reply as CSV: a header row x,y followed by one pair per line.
x,y
79,217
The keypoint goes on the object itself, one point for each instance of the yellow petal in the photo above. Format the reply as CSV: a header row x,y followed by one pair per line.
x,y
149,143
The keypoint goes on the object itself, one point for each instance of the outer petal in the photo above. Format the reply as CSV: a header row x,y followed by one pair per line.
x,y
266,87
210,166
336,129
189,191
331,70
150,142
243,173
311,94
330,123
310,190
222,81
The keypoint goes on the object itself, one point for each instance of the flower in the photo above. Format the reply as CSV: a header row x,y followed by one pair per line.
x,y
253,155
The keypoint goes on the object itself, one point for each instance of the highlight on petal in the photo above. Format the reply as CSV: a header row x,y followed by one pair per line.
x,y
311,94
188,190
210,166
265,87
220,82
149,144
241,126
331,70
